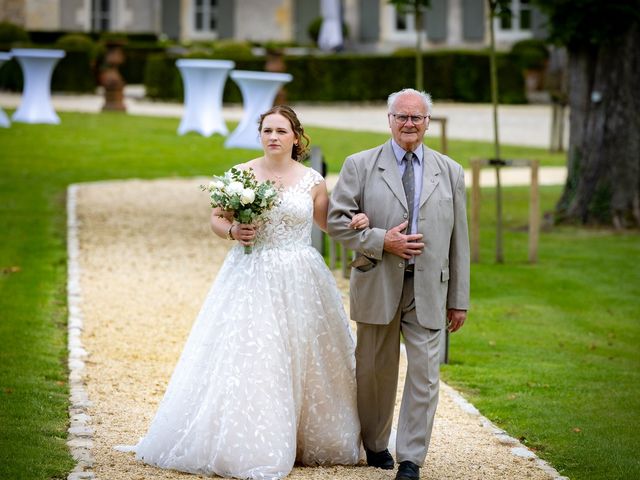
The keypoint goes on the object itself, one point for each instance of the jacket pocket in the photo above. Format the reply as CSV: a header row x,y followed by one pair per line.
x,y
363,264
444,275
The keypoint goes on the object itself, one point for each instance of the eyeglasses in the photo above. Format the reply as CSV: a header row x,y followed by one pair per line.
x,y
401,119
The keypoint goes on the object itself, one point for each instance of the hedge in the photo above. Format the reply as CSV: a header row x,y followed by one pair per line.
x,y
135,60
451,75
459,76
73,73
76,72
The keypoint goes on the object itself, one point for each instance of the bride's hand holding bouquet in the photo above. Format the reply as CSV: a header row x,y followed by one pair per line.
x,y
242,196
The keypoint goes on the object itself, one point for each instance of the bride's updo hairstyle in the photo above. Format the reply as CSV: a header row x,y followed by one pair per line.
x,y
300,150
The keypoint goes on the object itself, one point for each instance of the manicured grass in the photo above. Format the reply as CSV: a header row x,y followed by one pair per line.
x,y
508,359
550,351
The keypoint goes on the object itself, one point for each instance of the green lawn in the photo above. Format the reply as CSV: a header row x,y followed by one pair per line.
x,y
550,351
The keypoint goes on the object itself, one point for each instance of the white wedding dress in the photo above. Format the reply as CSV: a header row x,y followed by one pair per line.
x,y
267,376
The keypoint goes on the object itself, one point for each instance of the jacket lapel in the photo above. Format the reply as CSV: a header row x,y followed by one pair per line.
x,y
388,168
430,175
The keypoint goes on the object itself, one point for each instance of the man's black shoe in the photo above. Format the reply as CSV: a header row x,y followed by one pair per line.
x,y
408,471
381,459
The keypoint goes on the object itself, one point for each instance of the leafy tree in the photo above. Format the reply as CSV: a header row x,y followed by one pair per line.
x,y
602,39
417,7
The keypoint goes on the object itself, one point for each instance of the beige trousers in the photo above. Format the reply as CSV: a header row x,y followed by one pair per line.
x,y
377,357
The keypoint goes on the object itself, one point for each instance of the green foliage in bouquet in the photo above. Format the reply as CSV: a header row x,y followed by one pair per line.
x,y
238,192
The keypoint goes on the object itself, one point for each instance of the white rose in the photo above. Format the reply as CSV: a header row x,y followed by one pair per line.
x,y
216,185
234,187
247,196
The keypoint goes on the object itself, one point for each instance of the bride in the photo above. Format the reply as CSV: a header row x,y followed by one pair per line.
x,y
267,376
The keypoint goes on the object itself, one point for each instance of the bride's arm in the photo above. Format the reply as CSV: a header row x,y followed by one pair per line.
x,y
320,205
222,223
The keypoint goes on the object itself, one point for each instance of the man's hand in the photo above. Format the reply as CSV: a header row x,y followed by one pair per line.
x,y
455,319
402,245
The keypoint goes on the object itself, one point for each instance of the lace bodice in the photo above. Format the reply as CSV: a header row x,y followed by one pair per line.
x,y
289,222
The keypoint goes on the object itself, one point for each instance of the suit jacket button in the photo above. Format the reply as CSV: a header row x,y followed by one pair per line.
x,y
405,216
401,265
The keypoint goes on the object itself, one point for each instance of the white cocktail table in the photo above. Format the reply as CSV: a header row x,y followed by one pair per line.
x,y
37,66
4,120
258,92
203,82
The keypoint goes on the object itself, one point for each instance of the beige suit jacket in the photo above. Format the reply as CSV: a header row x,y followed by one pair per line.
x,y
370,182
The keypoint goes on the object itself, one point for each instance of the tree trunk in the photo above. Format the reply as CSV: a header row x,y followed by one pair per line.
x,y
496,138
603,184
419,25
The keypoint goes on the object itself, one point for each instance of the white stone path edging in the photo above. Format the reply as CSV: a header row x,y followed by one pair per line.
x,y
517,448
80,437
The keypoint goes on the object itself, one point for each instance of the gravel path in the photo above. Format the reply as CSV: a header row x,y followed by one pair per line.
x,y
146,259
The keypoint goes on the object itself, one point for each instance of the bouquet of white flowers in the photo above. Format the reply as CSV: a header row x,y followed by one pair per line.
x,y
237,191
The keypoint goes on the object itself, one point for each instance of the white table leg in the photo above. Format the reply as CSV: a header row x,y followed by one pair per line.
x,y
258,92
37,67
203,88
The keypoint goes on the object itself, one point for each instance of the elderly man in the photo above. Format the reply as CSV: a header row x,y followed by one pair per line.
x,y
410,276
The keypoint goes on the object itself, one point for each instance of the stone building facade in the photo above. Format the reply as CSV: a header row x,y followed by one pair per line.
x,y
374,25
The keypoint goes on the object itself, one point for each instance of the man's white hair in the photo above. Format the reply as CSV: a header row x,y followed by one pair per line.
x,y
426,98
